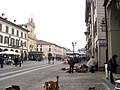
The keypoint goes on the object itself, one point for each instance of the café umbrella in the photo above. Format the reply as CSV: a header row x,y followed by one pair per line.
x,y
10,53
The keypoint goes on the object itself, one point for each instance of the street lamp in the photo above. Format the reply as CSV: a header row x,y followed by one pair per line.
x,y
103,25
74,44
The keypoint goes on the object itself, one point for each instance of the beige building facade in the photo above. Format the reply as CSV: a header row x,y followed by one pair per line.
x,y
47,47
95,36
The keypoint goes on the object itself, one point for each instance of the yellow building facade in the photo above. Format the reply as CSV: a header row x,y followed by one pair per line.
x,y
32,40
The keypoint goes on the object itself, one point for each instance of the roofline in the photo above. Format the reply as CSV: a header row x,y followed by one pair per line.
x,y
48,44
5,20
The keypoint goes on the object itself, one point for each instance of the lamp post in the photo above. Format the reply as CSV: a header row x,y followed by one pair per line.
x,y
74,44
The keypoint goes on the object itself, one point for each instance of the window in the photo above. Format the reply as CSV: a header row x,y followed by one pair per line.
x,y
12,41
6,40
41,49
37,49
13,31
7,28
1,39
21,34
40,45
21,43
49,49
24,44
17,33
17,42
25,36
0,27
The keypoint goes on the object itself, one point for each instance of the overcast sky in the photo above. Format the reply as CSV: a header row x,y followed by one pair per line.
x,y
57,21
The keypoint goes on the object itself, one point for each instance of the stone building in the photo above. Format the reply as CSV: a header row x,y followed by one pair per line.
x,y
95,36
47,47
13,37
112,9
32,40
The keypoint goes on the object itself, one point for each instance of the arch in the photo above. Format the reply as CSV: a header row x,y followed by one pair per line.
x,y
11,50
16,50
5,49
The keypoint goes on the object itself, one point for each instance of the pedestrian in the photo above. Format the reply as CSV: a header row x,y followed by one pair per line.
x,y
71,63
49,57
92,64
53,60
112,67
16,60
20,60
1,61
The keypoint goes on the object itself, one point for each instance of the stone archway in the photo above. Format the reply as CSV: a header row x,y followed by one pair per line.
x,y
113,30
5,49
16,50
11,50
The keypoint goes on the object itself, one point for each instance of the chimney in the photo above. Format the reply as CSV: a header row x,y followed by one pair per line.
x,y
14,21
3,15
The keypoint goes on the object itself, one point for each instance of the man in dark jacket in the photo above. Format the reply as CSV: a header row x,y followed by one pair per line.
x,y
49,57
1,61
71,63
112,67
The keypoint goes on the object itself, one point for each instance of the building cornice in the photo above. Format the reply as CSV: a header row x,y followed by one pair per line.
x,y
10,23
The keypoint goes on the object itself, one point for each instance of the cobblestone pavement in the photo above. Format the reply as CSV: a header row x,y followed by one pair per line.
x,y
67,81
82,81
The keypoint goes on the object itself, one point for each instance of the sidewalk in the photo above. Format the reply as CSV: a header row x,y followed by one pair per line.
x,y
82,81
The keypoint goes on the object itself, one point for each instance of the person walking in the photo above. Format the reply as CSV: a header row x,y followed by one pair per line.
x,y
16,60
49,57
20,60
112,67
1,61
71,62
92,64
53,59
